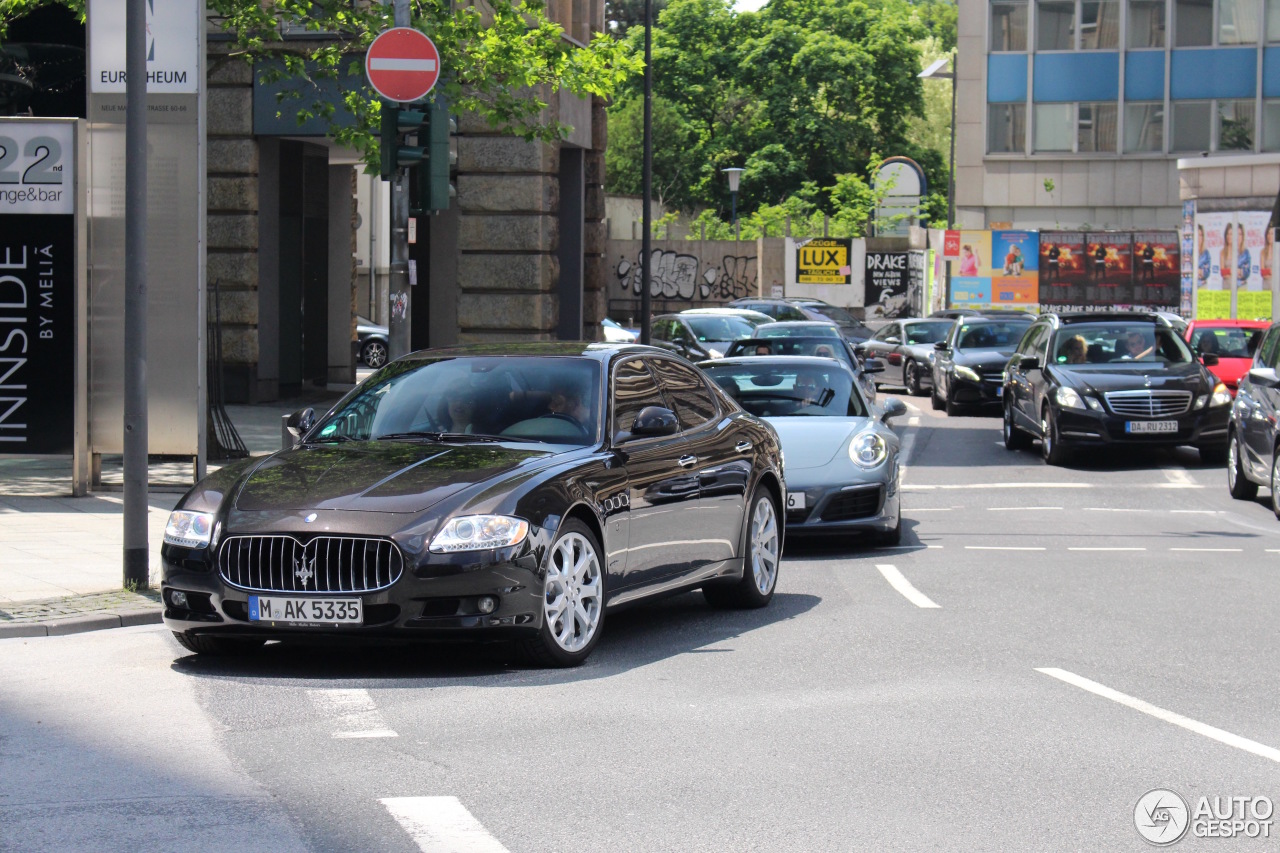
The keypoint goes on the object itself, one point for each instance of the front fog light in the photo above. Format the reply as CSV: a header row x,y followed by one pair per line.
x,y
487,604
479,532
177,598
189,529
868,450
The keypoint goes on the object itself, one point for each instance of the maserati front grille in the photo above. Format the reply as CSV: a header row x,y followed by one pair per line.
x,y
325,564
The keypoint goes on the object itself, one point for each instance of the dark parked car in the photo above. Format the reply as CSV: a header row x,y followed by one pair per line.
x,y
1255,425
968,369
1123,379
371,343
808,309
585,477
907,346
698,336
823,347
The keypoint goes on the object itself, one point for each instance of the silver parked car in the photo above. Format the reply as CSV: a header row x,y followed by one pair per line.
x,y
907,347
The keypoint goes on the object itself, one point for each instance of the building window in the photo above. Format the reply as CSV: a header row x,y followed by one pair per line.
x,y
1099,25
1192,122
1271,125
1147,23
1143,127
1009,25
1006,128
1238,21
1083,127
1193,23
1096,128
1055,124
1273,20
1055,25
1235,125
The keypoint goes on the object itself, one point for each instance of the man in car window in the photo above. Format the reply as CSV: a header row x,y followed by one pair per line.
x,y
566,399
1137,345
810,390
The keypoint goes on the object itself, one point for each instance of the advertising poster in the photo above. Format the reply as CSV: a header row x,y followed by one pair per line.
x,y
1157,274
1062,268
1255,244
1188,257
1109,261
971,270
887,291
1015,268
1215,236
824,260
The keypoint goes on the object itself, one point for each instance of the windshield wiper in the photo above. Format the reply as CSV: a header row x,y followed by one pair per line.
x,y
423,434
445,436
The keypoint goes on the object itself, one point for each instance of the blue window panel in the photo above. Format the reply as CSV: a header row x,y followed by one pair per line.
x,y
266,105
1144,75
1271,72
1228,72
1006,78
1091,76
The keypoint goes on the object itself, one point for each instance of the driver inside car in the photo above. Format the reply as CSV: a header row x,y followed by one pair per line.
x,y
566,399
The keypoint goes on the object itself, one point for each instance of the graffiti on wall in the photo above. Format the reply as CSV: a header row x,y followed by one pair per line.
x,y
674,275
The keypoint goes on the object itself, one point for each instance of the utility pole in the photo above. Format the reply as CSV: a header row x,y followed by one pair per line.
x,y
646,250
136,559
400,294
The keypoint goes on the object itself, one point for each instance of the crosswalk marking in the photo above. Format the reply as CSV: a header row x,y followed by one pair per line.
x,y
441,825
354,713
902,585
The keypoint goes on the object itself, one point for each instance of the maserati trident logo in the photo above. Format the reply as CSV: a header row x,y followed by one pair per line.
x,y
304,569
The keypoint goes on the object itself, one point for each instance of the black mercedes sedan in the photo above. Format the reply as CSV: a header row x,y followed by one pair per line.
x,y
1122,379
1253,459
513,492
968,369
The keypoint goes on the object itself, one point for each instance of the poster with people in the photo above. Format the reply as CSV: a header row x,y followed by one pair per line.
x,y
1109,261
1157,269
1062,268
1255,245
971,270
995,269
1215,258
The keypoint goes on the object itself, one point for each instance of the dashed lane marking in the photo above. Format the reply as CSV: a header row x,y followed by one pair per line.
x,y
1018,508
958,486
1106,549
902,585
1250,746
1210,550
1004,548
441,825
354,713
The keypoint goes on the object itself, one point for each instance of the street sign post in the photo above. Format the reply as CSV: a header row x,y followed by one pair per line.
x,y
402,64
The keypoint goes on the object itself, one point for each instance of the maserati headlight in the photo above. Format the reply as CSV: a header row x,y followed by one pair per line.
x,y
478,532
1068,398
188,529
967,373
1221,396
868,449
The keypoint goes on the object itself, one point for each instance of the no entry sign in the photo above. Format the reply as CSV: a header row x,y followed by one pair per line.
x,y
402,64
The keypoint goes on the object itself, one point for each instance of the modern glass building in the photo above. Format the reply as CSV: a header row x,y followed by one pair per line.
x,y
1075,112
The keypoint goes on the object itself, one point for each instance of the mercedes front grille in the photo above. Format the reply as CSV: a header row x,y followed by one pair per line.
x,y
1148,404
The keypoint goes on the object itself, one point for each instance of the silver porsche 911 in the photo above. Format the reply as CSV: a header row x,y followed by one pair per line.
x,y
840,457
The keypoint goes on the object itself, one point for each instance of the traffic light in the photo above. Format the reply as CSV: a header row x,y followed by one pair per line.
x,y
398,123
434,187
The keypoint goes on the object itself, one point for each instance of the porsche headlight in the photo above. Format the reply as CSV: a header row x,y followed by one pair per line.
x,y
1221,396
868,449
479,532
967,373
1068,398
188,529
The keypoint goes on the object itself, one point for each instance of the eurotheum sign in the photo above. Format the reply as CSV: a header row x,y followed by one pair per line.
x,y
824,260
37,286
173,47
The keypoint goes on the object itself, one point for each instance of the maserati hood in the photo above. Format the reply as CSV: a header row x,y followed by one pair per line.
x,y
375,476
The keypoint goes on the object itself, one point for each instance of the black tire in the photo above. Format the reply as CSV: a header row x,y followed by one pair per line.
x,y
934,399
911,379
1014,438
891,537
205,644
1238,484
1275,482
757,585
374,354
1050,448
952,409
551,647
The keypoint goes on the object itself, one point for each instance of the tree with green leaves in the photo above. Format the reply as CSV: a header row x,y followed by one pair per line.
x,y
501,59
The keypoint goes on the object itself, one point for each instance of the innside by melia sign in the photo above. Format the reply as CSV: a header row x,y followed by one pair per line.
x,y
37,287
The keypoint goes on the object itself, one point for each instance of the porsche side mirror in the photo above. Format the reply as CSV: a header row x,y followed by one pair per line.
x,y
941,346
893,339
1028,362
301,422
860,349
872,365
655,421
893,409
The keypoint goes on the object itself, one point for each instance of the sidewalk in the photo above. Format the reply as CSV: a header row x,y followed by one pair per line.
x,y
61,558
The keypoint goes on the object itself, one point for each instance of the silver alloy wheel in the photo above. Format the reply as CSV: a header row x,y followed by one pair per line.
x,y
375,354
573,601
910,379
764,545
1275,483
1233,463
1046,443
1008,424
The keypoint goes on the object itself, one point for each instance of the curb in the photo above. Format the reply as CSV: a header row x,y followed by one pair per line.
x,y
81,624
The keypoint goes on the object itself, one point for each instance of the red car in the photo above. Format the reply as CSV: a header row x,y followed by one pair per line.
x,y
1229,340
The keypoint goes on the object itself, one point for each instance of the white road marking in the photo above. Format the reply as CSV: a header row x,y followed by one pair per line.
x,y
931,509
1176,486
1273,550
1106,549
1198,511
955,486
354,711
915,422
1004,548
933,547
902,585
1178,477
1258,749
1210,550
1018,508
1110,509
441,825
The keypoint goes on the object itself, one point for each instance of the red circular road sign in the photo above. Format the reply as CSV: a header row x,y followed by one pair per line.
x,y
402,64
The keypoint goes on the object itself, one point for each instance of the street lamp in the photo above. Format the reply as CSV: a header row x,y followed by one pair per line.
x,y
936,72
735,175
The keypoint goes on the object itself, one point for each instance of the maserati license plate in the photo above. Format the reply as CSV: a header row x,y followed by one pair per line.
x,y
305,611
1151,426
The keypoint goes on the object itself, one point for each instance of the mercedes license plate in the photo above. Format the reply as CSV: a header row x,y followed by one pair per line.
x,y
305,611
795,500
1151,426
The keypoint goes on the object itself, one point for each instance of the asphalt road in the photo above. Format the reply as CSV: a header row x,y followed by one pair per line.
x,y
1048,645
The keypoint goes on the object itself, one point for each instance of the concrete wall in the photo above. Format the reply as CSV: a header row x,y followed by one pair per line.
x,y
687,273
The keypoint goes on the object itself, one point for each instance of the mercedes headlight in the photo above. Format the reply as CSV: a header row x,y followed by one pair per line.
x,y
479,532
868,449
1221,396
1069,398
188,529
967,373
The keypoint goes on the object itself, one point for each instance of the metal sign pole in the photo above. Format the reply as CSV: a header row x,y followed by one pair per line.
x,y
400,294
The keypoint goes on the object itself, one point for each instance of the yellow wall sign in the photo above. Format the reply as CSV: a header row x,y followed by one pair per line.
x,y
824,260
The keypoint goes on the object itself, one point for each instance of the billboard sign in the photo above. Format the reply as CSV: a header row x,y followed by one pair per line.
x,y
824,260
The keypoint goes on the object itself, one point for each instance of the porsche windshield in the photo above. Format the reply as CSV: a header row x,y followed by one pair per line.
x,y
515,398
782,388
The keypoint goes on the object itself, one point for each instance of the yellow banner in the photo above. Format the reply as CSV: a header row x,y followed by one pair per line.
x,y
1213,304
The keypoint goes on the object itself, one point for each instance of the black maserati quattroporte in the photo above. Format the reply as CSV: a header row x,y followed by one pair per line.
x,y
516,492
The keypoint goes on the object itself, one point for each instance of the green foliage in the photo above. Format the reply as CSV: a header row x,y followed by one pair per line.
x,y
500,60
940,18
622,15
